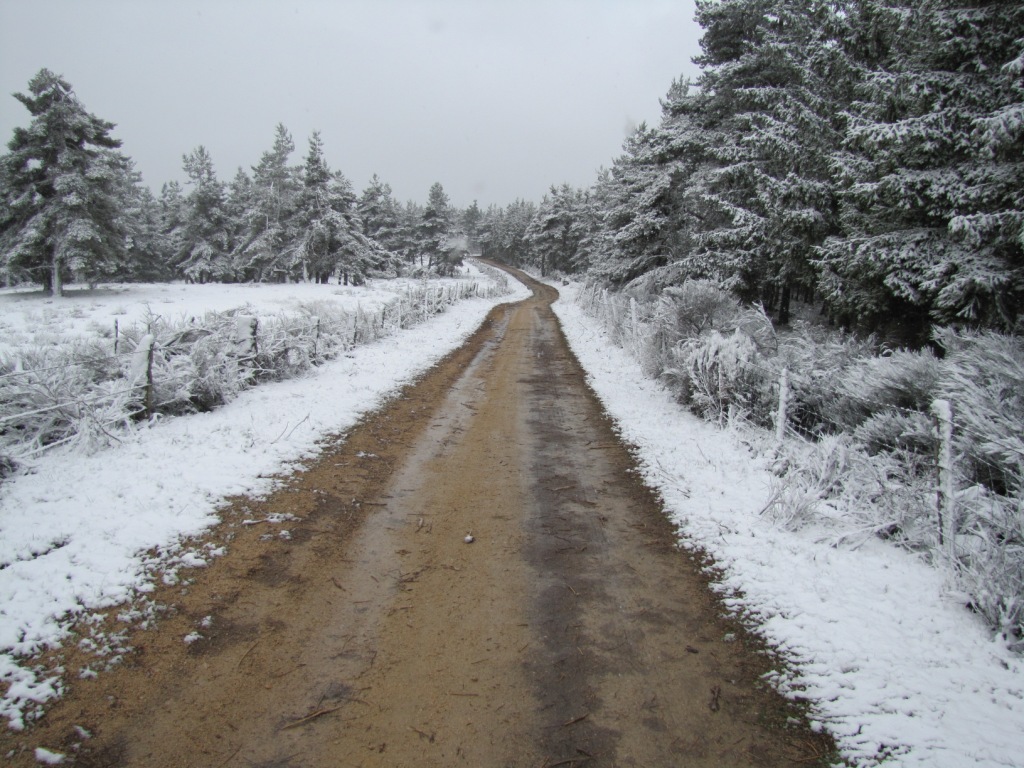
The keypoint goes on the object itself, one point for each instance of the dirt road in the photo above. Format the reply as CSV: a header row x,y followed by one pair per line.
x,y
569,632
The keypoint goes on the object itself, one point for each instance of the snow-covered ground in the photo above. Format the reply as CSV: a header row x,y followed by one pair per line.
x,y
27,316
894,665
74,532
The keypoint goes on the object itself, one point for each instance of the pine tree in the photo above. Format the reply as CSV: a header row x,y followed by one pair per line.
x,y
238,203
470,221
202,238
331,234
558,230
765,198
62,187
436,229
381,215
148,258
931,169
271,208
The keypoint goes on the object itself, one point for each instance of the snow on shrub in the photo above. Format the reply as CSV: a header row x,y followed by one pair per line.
x,y
869,468
81,392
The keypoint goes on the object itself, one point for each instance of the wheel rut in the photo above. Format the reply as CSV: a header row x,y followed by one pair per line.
x,y
570,631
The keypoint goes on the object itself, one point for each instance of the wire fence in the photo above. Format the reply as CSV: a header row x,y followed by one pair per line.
x,y
925,452
85,392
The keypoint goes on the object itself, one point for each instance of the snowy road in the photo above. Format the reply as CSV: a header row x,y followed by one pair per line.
x,y
350,622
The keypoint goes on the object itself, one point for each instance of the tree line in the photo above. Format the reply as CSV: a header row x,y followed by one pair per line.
x,y
863,155
72,206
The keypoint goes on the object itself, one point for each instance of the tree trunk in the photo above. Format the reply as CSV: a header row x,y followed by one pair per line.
x,y
784,305
56,286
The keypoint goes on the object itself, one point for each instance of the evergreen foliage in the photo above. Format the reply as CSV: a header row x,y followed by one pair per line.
x,y
63,189
332,239
203,253
866,153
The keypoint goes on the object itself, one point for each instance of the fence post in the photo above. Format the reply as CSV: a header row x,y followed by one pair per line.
x,y
781,414
945,498
142,365
117,336
149,378
246,328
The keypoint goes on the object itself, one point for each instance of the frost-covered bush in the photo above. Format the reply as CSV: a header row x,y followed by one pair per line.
x,y
50,393
83,391
851,494
983,377
721,374
869,467
817,361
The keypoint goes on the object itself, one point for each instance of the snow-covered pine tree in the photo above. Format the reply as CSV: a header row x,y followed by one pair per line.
x,y
558,230
470,221
172,214
765,199
62,186
381,215
646,227
331,235
202,237
504,233
932,170
238,203
271,232
411,217
435,229
148,258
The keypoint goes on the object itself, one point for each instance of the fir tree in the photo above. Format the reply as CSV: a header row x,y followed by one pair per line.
x,y
202,239
932,170
331,234
765,198
63,187
269,217
435,231
381,215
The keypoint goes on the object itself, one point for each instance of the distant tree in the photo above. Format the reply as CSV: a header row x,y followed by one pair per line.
x,y
470,222
435,230
269,216
148,258
62,187
331,234
238,203
558,230
411,219
202,238
381,215
505,233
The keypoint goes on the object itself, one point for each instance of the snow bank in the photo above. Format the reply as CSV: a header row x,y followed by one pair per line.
x,y
894,667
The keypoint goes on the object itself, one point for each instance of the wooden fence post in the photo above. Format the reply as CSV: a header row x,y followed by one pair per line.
x,y
781,414
142,365
945,497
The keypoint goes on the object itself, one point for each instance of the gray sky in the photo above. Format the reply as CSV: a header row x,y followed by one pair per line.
x,y
495,99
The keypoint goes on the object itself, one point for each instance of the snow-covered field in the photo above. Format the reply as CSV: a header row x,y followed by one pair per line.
x,y
29,316
74,532
894,665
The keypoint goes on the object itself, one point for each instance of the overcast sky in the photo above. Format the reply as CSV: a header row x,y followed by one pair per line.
x,y
495,99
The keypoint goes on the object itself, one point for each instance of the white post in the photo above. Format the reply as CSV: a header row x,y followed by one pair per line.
x,y
945,498
780,414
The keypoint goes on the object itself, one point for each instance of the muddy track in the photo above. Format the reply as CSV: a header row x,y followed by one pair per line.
x,y
571,631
